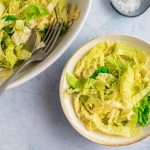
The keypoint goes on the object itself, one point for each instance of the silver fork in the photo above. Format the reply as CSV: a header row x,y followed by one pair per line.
x,y
39,55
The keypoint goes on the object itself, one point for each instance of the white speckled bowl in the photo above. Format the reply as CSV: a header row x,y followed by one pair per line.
x,y
66,101
67,39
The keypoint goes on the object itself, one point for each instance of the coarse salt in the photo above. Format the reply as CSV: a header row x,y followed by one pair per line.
x,y
129,6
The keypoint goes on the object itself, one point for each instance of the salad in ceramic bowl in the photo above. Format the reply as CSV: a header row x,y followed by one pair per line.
x,y
108,85
18,17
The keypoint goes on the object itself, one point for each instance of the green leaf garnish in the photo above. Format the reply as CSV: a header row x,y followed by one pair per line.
x,y
10,18
102,69
143,111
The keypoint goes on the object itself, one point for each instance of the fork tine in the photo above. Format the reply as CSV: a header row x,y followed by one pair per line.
x,y
53,39
49,32
54,29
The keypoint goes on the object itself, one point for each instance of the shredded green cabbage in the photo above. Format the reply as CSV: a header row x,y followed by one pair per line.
x,y
109,87
143,111
18,17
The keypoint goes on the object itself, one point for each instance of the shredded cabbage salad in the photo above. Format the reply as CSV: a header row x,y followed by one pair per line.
x,y
110,89
18,17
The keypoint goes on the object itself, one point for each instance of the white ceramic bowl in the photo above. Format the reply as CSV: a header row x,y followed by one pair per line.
x,y
66,101
67,39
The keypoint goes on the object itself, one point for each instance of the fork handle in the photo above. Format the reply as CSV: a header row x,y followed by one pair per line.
x,y
8,80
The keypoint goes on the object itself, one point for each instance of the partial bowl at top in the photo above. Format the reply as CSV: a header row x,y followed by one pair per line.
x,y
64,43
66,101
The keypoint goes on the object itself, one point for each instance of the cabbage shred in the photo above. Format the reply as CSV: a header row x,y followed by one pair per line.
x,y
110,88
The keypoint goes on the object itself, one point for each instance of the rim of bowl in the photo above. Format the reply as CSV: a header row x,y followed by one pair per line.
x,y
61,94
31,75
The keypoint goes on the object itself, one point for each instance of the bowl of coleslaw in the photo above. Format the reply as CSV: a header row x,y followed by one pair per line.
x,y
105,90
17,18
